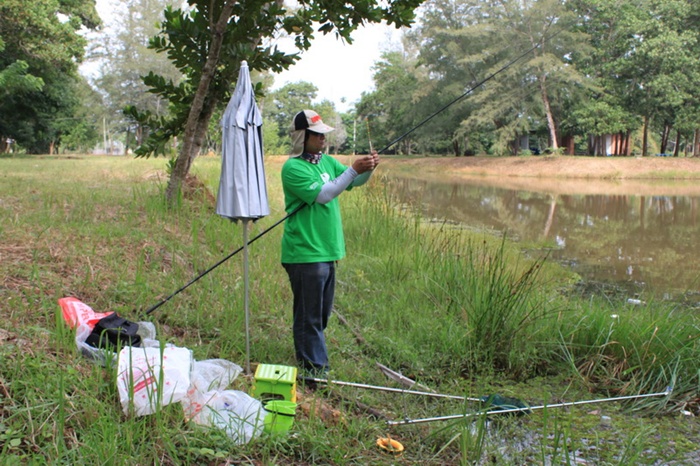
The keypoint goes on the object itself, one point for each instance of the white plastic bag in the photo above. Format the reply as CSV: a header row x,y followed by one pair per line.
x,y
152,377
213,374
241,416
207,377
208,403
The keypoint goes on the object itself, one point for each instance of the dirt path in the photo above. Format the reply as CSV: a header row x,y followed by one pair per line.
x,y
556,166
555,174
560,174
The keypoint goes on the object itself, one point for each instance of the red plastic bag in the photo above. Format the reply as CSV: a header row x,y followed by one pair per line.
x,y
76,312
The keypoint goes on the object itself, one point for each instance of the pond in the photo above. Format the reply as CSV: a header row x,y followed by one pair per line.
x,y
639,242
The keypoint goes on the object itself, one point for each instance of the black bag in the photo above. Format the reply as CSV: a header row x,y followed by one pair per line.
x,y
114,332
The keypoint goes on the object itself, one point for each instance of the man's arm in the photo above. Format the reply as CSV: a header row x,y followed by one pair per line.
x,y
333,188
357,175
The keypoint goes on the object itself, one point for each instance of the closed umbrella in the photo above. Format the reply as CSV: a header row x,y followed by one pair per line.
x,y
242,191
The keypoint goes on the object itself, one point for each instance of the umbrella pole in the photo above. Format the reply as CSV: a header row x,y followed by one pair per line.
x,y
245,305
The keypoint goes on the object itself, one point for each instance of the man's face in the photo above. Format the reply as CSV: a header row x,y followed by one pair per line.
x,y
315,143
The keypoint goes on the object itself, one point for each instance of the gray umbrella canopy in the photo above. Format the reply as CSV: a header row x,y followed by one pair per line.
x,y
242,189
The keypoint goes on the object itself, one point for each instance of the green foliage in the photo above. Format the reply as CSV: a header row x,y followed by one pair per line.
x,y
186,38
602,67
14,78
272,142
125,65
41,47
282,104
389,111
644,58
595,68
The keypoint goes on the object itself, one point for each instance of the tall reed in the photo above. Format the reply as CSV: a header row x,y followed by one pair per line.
x,y
627,349
455,301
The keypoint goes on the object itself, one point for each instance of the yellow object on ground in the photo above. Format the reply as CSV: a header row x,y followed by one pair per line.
x,y
390,445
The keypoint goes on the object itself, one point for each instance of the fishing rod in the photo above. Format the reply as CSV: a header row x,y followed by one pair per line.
x,y
469,91
404,135
526,409
495,402
261,234
369,135
388,389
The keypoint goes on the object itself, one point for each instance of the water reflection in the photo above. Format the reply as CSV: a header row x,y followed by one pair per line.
x,y
646,241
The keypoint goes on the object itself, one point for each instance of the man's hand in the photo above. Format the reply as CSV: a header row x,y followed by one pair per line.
x,y
366,163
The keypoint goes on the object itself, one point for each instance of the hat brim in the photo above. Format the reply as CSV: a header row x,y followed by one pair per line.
x,y
321,128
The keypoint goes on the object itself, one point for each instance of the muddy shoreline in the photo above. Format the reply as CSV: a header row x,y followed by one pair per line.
x,y
557,174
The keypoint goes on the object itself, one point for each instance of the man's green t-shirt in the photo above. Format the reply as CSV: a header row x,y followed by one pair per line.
x,y
314,233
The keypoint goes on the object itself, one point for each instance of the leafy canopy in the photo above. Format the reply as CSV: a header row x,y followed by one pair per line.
x,y
40,47
251,29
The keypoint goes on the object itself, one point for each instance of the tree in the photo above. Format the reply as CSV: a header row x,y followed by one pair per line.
x,y
463,42
208,42
390,110
645,57
81,132
272,142
281,105
41,47
124,58
14,77
336,138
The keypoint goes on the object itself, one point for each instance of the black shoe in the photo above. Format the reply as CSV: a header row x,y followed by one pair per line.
x,y
312,377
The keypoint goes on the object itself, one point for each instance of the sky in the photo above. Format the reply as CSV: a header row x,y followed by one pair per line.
x,y
340,71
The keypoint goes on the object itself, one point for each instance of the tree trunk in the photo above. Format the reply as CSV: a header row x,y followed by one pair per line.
x,y
548,112
127,139
591,145
621,143
192,139
664,138
678,143
646,134
696,143
569,144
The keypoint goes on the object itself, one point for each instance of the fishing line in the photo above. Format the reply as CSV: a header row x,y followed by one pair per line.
x,y
404,135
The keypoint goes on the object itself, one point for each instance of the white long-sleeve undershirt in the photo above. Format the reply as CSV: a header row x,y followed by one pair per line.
x,y
333,188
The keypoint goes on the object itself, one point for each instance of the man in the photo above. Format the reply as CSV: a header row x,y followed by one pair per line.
x,y
313,237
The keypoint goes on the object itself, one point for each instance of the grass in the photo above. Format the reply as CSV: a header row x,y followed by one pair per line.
x,y
459,311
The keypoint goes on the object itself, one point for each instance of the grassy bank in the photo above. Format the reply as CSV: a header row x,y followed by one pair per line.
x,y
459,312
